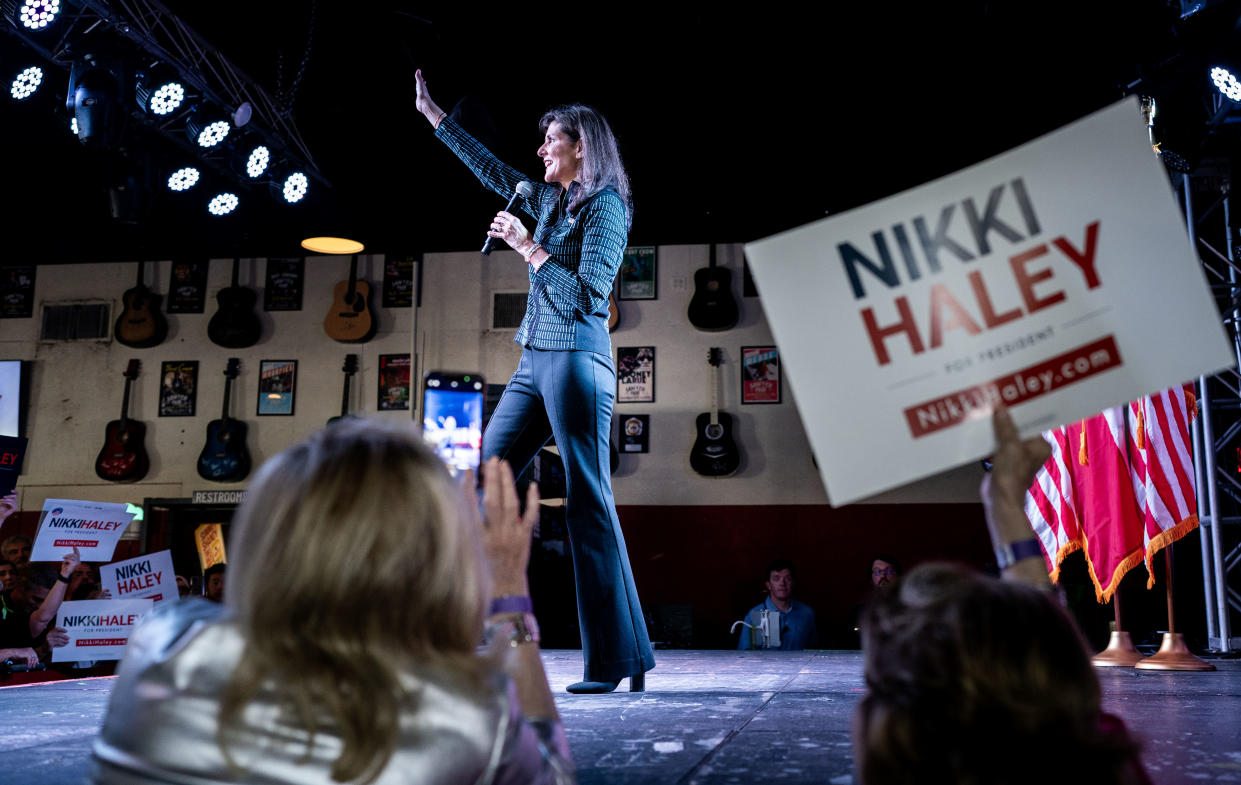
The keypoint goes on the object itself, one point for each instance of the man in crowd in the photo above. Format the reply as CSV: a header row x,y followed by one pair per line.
x,y
796,619
884,570
213,582
17,550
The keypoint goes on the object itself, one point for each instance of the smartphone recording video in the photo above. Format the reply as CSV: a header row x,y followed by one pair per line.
x,y
452,418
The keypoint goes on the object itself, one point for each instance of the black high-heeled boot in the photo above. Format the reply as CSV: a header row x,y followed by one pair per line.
x,y
637,683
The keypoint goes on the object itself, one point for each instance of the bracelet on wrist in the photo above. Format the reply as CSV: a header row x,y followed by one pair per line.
x,y
1008,554
533,250
61,578
440,119
516,631
511,604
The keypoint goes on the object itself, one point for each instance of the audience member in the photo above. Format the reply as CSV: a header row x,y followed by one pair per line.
x,y
8,574
15,640
46,591
84,582
17,550
183,586
301,676
966,674
884,570
797,625
213,582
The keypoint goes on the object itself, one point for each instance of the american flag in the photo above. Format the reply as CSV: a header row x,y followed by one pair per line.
x,y
1117,492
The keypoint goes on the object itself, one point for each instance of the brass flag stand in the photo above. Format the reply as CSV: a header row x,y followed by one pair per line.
x,y
1120,651
1173,655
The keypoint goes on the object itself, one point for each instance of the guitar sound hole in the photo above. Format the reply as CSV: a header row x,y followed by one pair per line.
x,y
715,431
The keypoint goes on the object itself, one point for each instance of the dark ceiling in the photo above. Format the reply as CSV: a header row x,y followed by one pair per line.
x,y
733,125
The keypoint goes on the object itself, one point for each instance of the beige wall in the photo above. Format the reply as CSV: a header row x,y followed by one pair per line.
x,y
77,386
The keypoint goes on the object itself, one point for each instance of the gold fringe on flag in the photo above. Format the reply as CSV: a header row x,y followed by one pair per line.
x,y
1164,539
1081,450
1101,593
1065,550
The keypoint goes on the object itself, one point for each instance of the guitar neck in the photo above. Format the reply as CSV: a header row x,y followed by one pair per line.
x,y
344,397
228,384
353,276
715,394
140,284
236,270
125,404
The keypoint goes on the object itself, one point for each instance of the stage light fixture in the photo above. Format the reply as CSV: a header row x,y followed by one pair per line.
x,y
159,90
256,163
207,127
223,204
25,83
95,83
295,187
1226,82
183,179
36,14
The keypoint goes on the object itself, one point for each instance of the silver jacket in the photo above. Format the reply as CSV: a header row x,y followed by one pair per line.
x,y
161,722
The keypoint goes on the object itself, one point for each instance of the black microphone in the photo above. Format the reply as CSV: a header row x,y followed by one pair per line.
x,y
523,189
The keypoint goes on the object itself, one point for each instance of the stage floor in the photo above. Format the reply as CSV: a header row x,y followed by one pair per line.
x,y
713,717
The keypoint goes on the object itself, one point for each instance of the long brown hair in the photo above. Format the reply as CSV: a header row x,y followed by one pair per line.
x,y
350,562
967,676
601,167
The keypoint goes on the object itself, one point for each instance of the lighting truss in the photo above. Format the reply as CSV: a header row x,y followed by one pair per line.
x,y
207,74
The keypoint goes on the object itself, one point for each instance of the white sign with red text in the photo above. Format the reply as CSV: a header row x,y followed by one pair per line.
x,y
94,528
1056,278
144,577
98,629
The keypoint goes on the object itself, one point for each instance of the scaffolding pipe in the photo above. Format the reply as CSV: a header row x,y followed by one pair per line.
x,y
1206,519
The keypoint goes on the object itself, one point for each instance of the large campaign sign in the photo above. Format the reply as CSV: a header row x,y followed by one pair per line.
x,y
144,577
94,528
1056,278
98,629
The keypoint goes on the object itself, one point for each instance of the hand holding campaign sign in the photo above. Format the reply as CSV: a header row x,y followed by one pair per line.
x,y
1055,278
144,577
98,629
94,528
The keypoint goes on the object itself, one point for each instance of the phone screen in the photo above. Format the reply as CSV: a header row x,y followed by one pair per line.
x,y
452,419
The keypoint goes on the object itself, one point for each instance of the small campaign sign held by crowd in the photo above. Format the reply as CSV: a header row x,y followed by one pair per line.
x,y
145,577
1056,278
94,528
98,629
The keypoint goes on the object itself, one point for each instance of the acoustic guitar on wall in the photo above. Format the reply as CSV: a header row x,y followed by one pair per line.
x,y
123,457
712,308
714,453
140,325
349,319
225,457
350,368
235,325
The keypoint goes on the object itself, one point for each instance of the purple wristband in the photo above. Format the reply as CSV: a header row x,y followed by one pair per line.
x,y
511,604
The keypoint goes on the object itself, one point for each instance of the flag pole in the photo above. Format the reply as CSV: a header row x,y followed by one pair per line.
x,y
1120,651
1173,655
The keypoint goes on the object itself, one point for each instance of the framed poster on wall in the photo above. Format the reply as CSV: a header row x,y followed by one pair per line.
x,y
637,273
178,388
393,382
760,374
277,379
635,374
